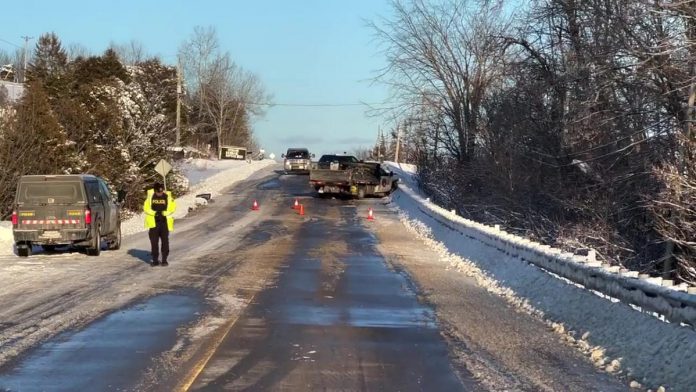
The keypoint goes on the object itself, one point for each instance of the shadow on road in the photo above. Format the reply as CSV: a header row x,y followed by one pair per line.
x,y
142,255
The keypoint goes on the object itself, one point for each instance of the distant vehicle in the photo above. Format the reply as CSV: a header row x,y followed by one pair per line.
x,y
297,160
65,210
345,174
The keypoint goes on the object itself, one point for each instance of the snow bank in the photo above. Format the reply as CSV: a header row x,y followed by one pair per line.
x,y
603,307
6,238
204,176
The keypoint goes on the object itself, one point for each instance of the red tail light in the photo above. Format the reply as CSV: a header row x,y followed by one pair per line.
x,y
15,220
88,216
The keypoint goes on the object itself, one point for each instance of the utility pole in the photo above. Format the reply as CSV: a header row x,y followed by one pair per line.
x,y
379,144
26,46
178,102
398,143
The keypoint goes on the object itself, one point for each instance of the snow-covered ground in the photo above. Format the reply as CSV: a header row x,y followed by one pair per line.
x,y
204,176
617,337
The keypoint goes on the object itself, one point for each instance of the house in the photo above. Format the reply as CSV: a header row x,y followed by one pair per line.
x,y
14,90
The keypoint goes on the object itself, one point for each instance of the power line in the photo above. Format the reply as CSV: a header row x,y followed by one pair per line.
x,y
286,104
11,43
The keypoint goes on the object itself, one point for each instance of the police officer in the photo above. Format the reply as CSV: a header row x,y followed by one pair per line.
x,y
159,207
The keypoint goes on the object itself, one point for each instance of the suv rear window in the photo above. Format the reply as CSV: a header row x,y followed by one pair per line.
x,y
50,192
297,154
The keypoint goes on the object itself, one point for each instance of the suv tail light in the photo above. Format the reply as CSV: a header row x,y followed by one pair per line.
x,y
15,219
88,216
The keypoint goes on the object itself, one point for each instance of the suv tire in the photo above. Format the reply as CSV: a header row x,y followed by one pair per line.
x,y
95,248
115,240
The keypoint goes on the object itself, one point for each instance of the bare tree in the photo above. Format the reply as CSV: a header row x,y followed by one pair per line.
x,y
224,95
228,97
130,53
447,54
198,57
76,50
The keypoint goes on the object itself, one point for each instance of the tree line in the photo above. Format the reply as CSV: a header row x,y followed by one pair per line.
x,y
569,121
114,114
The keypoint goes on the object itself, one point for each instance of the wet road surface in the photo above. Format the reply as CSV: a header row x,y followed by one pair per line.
x,y
337,319
110,354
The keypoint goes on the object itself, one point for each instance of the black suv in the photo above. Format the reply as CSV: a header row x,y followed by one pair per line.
x,y
65,210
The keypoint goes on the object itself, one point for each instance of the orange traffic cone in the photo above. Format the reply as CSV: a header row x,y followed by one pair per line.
x,y
255,206
370,214
301,209
297,205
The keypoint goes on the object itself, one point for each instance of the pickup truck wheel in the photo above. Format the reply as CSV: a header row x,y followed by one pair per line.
x,y
115,240
95,248
23,249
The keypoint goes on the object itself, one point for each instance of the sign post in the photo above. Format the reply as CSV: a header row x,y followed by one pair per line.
x,y
163,168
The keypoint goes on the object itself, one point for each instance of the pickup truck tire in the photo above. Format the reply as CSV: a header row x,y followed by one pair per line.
x,y
95,248
23,249
115,239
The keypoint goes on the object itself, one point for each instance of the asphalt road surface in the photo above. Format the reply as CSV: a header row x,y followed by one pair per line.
x,y
272,300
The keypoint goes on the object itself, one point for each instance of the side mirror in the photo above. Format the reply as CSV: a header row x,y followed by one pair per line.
x,y
313,156
120,196
282,155
391,174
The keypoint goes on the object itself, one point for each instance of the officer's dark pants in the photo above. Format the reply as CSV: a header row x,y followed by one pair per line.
x,y
159,232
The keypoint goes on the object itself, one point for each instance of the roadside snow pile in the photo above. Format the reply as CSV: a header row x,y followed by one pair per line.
x,y
204,177
197,170
6,238
617,338
405,171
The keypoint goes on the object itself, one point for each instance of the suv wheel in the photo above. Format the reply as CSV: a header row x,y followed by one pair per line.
x,y
95,248
115,240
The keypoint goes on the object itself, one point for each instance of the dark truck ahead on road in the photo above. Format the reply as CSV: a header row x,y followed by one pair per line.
x,y
65,210
345,174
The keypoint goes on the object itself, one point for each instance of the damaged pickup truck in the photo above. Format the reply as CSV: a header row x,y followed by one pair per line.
x,y
346,175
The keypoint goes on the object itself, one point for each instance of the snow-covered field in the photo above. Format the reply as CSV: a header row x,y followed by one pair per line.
x,y
617,337
204,176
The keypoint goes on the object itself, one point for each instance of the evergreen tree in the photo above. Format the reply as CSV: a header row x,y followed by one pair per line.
x,y
37,126
49,65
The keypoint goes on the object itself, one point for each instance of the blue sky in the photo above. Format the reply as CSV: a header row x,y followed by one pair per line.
x,y
305,52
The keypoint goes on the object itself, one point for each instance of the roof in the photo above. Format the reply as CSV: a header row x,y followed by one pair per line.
x,y
59,177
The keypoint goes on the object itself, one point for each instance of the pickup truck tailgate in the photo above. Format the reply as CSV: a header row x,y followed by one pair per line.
x,y
328,176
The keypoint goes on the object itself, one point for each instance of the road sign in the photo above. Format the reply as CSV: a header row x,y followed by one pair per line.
x,y
163,168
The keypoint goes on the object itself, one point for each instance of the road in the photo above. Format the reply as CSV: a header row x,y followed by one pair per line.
x,y
272,300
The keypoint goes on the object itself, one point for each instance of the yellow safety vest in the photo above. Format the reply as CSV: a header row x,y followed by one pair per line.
x,y
150,214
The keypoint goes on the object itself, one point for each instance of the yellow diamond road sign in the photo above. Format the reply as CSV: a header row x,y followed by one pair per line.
x,y
163,167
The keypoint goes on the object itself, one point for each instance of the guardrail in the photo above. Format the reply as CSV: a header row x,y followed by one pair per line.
x,y
677,303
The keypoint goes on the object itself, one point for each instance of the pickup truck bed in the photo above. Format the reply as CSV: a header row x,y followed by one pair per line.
x,y
356,179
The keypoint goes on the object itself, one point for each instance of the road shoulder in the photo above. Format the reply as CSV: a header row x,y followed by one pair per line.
x,y
504,348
